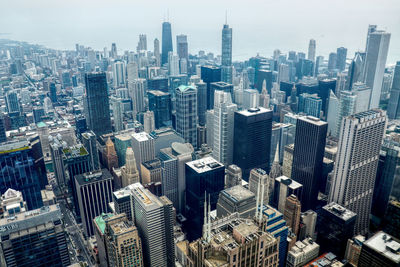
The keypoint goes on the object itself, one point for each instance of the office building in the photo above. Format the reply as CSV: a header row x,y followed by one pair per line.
x,y
154,221
302,252
129,172
173,160
148,121
250,99
283,188
88,187
186,113
353,249
233,176
380,250
252,139
166,42
335,226
332,61
236,199
160,105
391,221
12,102
118,113
122,200
310,104
311,50
226,54
308,156
341,53
110,156
24,170
157,52
264,76
276,225
151,171
356,164
143,148
203,176
232,237
259,184
121,143
292,213
210,74
11,203
201,102
288,160
375,61
393,110
96,103
123,244
119,75
223,86
137,92
90,144
34,238
222,127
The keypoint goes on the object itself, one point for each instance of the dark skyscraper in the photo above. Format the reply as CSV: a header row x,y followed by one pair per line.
x,y
393,110
264,75
166,42
201,102
3,137
160,104
226,58
252,139
308,156
182,46
96,103
210,74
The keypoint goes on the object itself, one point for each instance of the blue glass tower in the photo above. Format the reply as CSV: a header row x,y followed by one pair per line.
x,y
160,104
166,42
310,105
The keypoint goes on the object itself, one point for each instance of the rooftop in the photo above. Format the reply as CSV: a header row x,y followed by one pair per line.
x,y
186,88
204,164
313,120
90,177
141,137
253,111
385,245
288,182
238,193
100,221
157,92
339,211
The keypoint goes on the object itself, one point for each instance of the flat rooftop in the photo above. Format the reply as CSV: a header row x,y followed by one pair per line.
x,y
157,92
90,177
141,137
204,165
313,120
339,211
385,245
254,111
292,184
238,193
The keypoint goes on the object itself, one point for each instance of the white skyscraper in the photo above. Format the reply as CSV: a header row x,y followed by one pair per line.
x,y
132,71
143,148
311,50
332,116
173,64
250,98
148,121
157,52
284,73
356,164
137,91
375,61
119,74
224,111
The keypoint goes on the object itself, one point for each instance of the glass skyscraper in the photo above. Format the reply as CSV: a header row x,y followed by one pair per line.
x,y
210,74
160,104
96,103
166,42
226,59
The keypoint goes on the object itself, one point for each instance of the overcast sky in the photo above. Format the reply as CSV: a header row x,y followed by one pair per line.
x,y
259,26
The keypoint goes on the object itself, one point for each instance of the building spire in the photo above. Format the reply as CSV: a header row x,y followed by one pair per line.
x,y
226,17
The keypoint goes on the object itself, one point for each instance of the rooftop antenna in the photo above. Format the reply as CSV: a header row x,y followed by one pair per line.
x,y
226,17
167,15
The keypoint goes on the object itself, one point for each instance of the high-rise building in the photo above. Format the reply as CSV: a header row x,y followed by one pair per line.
x,y
347,105
391,221
173,64
375,61
114,53
90,144
335,226
308,157
166,42
380,250
143,148
110,156
226,55
122,241
201,102
182,48
89,186
96,103
283,188
250,99
203,177
222,126
210,74
310,104
142,45
34,238
311,50
232,237
356,164
12,102
186,113
132,72
119,75
302,253
308,221
157,52
393,110
259,184
292,213
25,170
252,139
332,61
148,121
355,71
236,199
118,109
160,104
154,219
3,137
341,53
11,203
137,91
129,172
233,176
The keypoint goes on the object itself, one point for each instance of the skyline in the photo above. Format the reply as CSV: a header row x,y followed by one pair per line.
x,y
62,27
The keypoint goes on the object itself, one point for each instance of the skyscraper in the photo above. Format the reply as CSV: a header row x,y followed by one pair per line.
x,y
137,90
355,71
310,104
89,142
356,164
203,177
311,50
210,74
166,42
182,48
341,53
236,199
157,52
292,213
375,61
12,102
252,139
154,221
309,146
160,104
226,58
393,110
34,238
332,61
186,113
96,103
129,172
142,45
201,102
224,111
119,74
89,186
143,148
